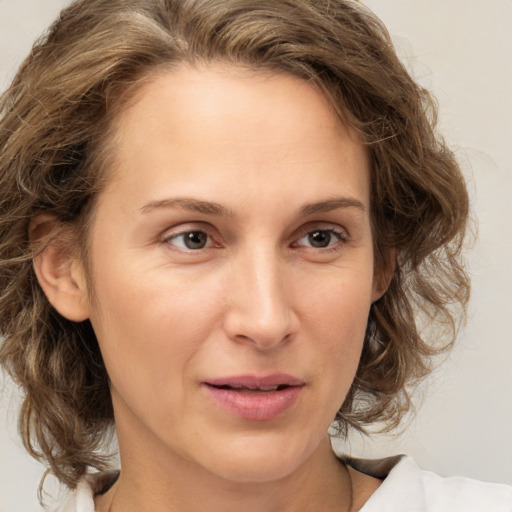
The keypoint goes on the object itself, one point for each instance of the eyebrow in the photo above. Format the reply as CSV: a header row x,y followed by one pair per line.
x,y
216,209
206,207
331,204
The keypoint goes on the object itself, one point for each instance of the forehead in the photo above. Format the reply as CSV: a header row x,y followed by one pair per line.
x,y
203,122
249,96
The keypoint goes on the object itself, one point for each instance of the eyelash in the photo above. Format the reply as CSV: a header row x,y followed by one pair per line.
x,y
182,234
339,234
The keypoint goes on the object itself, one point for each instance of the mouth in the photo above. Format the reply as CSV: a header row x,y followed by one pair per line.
x,y
255,398
251,389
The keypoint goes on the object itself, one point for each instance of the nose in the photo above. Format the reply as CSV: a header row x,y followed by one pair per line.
x,y
260,301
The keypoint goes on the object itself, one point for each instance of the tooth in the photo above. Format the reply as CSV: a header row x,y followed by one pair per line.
x,y
252,388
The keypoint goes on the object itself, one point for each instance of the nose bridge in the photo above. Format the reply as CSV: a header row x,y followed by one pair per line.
x,y
261,308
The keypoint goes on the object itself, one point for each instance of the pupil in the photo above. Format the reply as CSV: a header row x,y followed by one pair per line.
x,y
195,240
320,238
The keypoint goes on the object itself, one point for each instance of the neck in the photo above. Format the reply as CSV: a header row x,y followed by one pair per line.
x,y
321,483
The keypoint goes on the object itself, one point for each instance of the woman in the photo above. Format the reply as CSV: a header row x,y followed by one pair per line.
x,y
222,225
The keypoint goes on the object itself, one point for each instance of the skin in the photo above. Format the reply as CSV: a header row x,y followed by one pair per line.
x,y
259,298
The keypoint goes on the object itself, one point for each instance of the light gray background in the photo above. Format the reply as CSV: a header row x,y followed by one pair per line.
x,y
461,49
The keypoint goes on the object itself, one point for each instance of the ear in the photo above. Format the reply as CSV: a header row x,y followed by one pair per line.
x,y
60,272
383,275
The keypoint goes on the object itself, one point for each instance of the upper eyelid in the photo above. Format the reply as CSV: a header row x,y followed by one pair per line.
x,y
169,239
213,232
187,227
170,234
341,240
322,226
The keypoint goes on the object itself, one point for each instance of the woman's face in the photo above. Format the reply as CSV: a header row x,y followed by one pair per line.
x,y
232,264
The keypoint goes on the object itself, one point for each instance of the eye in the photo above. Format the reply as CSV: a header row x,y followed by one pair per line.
x,y
320,238
190,240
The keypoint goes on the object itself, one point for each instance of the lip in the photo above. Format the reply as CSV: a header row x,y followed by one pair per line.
x,y
249,396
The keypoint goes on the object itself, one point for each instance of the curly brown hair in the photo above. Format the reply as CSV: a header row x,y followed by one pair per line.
x,y
55,127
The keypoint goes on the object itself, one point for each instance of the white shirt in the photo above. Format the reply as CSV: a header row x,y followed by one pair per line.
x,y
406,488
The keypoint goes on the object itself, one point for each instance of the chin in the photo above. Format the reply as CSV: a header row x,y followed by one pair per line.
x,y
256,460
250,471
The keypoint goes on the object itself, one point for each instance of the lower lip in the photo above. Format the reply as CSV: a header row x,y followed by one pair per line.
x,y
255,405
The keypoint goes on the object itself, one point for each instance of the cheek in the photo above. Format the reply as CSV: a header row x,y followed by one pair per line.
x,y
337,317
340,300
149,328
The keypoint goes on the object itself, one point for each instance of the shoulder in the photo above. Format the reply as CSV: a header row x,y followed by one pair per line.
x,y
407,488
82,498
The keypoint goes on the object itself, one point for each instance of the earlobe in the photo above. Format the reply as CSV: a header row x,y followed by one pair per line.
x,y
59,273
383,275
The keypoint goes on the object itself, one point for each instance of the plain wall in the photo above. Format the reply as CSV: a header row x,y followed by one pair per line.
x,y
462,51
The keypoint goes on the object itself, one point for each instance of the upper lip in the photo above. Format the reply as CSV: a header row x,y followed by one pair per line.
x,y
256,381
